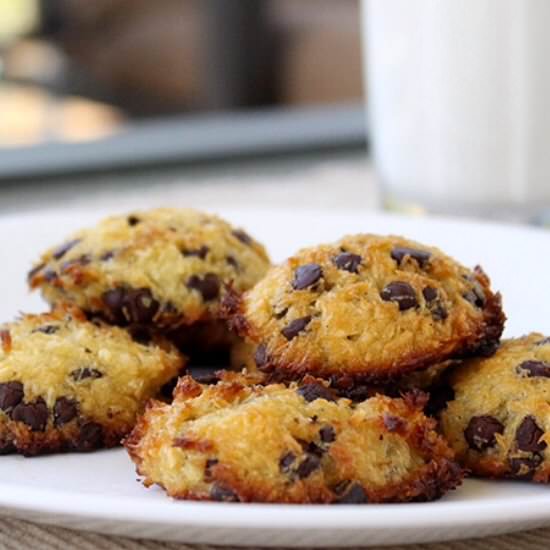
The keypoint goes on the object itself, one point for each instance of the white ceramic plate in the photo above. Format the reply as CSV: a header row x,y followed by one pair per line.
x,y
99,491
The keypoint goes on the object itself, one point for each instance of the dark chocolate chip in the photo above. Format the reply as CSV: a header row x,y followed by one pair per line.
x,y
242,236
286,461
58,253
306,275
47,329
223,494
232,262
430,294
199,252
64,410
133,220
108,255
314,390
476,296
114,300
208,379
208,286
295,327
524,468
481,431
308,466
34,414
528,435
439,313
34,271
354,495
534,369
348,262
393,423
210,463
421,256
11,394
401,293
280,314
261,357
50,275
310,447
327,434
139,306
85,372
90,437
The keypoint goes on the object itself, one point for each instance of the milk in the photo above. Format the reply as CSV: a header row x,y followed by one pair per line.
x,y
458,95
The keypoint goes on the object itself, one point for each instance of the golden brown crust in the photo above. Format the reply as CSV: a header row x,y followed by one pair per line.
x,y
379,321
499,420
237,441
159,269
67,384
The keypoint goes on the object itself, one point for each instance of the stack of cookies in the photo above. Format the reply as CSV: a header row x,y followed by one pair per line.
x,y
368,370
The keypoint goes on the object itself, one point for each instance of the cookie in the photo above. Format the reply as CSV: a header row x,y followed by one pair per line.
x,y
499,419
67,384
366,309
161,268
239,442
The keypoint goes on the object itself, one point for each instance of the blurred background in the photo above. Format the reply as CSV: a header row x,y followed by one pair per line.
x,y
112,83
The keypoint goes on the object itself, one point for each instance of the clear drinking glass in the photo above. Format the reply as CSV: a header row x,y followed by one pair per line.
x,y
458,95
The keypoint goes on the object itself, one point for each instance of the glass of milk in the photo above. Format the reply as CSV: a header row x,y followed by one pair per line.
x,y
458,95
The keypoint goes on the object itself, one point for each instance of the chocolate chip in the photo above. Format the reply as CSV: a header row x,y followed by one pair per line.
x,y
481,431
280,314
286,461
133,220
310,447
85,372
5,340
327,434
34,271
84,259
524,468
401,293
528,435
50,275
208,286
399,253
393,423
208,379
306,275
199,252
533,369
90,437
34,415
348,262
114,300
354,495
139,306
543,342
439,313
232,262
314,390
242,236
308,466
430,294
11,394
295,327
58,253
260,356
108,255
223,494
210,463
476,296
47,329
64,410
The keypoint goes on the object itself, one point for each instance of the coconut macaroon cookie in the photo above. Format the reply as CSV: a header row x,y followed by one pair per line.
x,y
67,384
364,309
161,268
499,419
234,441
